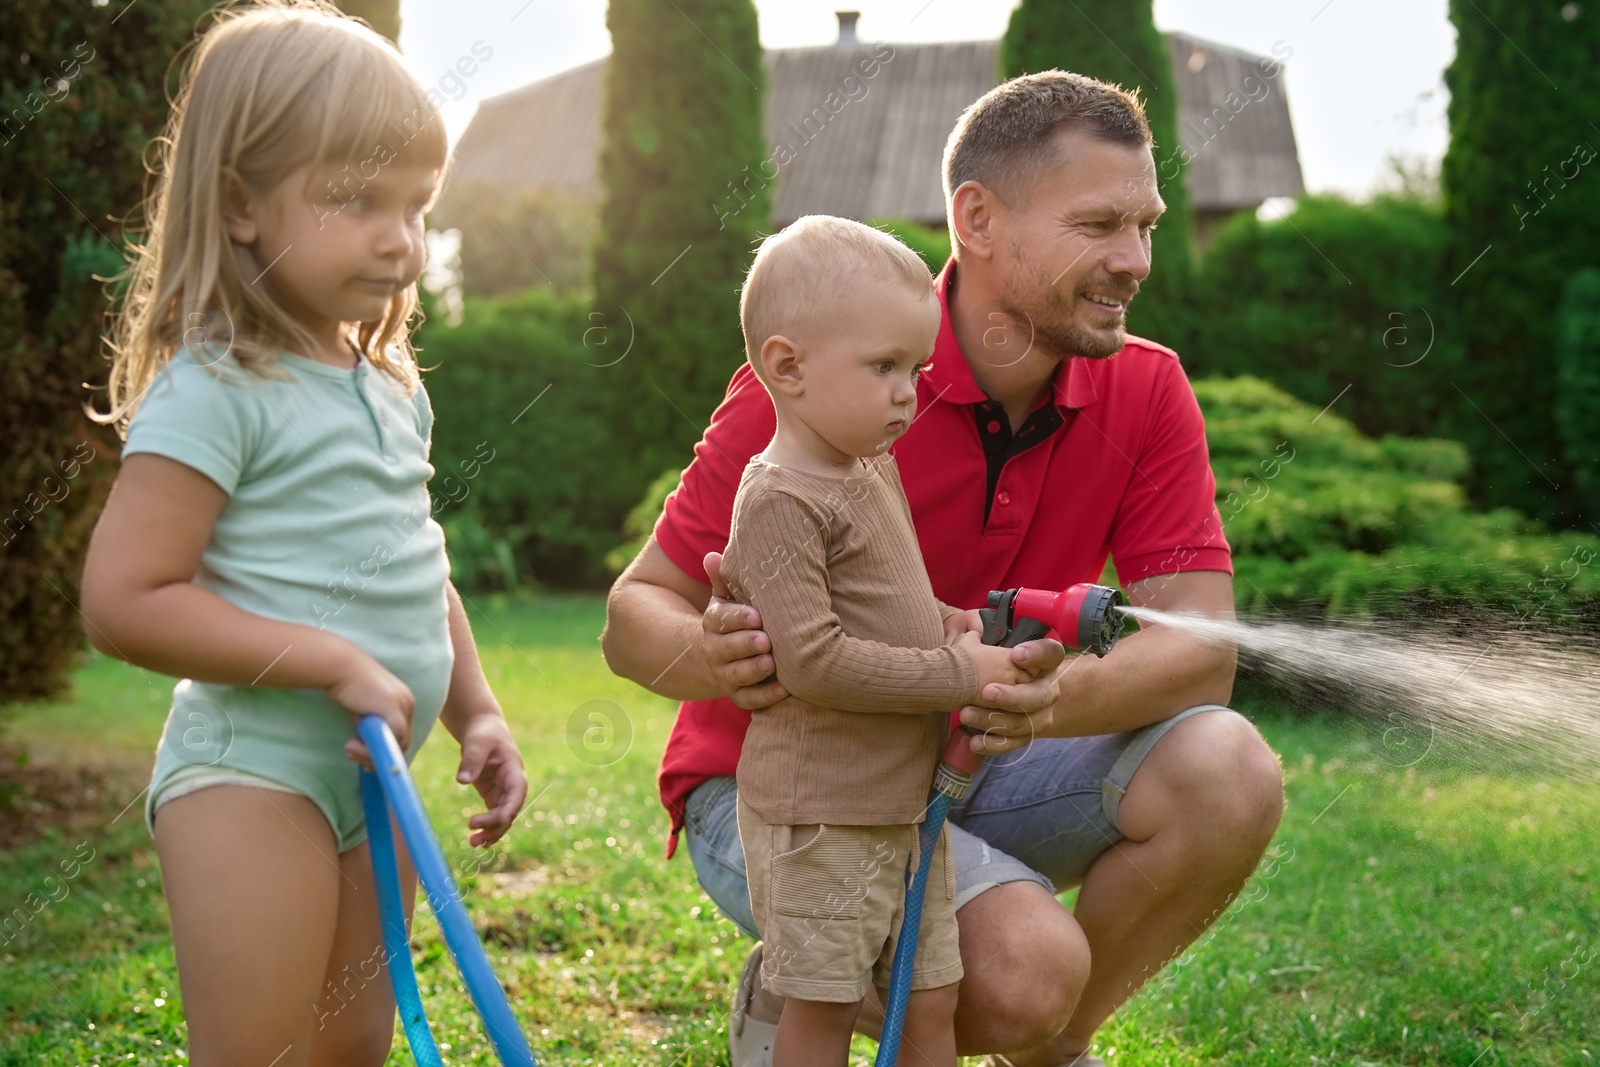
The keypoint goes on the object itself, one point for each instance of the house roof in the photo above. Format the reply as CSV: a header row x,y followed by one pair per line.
x,y
880,153
1233,124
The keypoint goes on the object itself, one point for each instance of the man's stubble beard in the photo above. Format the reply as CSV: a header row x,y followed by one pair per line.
x,y
1053,326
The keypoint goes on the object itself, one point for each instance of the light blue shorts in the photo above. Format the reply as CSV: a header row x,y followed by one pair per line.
x,y
1042,814
278,740
192,779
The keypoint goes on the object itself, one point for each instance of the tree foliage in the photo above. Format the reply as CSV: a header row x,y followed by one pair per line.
x,y
381,15
1578,385
683,115
1520,185
82,92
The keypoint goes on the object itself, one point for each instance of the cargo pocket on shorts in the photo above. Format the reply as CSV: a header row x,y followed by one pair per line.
x,y
825,878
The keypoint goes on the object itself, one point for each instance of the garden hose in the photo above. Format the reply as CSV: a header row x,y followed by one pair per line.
x,y
391,787
1085,618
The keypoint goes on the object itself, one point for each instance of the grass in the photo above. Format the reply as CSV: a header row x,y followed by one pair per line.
x,y
1431,914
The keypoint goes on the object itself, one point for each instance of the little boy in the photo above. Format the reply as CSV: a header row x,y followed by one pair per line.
x,y
839,319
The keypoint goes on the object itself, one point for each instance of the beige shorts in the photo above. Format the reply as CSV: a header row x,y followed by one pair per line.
x,y
830,910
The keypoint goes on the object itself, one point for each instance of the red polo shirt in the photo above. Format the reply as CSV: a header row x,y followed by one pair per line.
x,y
1126,474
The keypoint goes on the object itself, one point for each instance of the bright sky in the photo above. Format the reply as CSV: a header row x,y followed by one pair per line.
x,y
1365,80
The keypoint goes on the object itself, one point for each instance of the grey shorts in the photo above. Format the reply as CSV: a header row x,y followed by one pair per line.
x,y
1042,814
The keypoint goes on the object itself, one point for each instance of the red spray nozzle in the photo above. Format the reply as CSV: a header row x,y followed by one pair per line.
x,y
1084,617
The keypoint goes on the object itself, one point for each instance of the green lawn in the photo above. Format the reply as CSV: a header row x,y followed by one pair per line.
x,y
1421,915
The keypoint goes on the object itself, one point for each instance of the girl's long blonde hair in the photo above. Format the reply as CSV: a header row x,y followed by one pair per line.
x,y
270,87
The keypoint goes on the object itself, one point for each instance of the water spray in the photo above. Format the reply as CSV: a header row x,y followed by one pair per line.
x,y
1085,617
1500,691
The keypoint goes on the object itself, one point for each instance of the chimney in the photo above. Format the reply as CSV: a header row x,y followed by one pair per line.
x,y
847,29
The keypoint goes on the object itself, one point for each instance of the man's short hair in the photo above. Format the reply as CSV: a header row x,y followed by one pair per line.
x,y
1003,140
800,273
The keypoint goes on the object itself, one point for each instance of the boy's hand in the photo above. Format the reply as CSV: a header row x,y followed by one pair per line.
x,y
367,687
968,621
1011,716
993,663
491,762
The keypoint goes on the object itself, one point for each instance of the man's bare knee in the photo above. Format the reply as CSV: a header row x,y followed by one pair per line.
x,y
1026,962
1212,770
1248,774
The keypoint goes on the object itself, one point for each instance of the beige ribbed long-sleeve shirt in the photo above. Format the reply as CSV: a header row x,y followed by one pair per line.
x,y
833,566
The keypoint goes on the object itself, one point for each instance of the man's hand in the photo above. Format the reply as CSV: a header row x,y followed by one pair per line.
x,y
1014,715
1150,675
736,649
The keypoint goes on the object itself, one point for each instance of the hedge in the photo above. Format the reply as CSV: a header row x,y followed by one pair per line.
x,y
1325,521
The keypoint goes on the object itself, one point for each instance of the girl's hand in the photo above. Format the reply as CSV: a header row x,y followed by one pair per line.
x,y
367,687
491,762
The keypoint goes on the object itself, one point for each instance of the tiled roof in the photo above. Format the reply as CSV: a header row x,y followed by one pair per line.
x,y
879,153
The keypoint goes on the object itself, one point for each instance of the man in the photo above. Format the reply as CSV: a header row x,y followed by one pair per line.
x,y
1046,439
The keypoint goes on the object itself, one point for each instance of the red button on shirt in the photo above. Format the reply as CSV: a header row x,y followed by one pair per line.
x,y
1128,475
1002,498
994,426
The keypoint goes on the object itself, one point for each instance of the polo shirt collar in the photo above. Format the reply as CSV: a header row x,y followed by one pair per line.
x,y
951,376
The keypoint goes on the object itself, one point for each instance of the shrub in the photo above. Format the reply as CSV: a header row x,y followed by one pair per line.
x,y
1578,381
1326,521
521,441
511,241
931,244
642,520
1336,295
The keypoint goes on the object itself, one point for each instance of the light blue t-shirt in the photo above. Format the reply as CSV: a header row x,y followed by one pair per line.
x,y
327,525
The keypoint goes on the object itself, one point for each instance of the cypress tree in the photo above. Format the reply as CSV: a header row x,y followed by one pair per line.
x,y
1119,43
685,191
80,97
1520,179
1578,385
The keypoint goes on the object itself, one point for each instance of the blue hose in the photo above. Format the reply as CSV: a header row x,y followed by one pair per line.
x,y
393,784
905,949
396,942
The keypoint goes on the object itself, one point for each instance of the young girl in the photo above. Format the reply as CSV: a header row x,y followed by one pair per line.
x,y
269,540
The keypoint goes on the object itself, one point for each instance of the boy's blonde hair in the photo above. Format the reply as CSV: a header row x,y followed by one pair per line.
x,y
271,87
800,272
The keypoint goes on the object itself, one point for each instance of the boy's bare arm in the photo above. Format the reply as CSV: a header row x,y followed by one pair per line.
x,y
140,603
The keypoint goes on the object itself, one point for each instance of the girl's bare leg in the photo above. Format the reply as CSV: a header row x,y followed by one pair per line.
x,y
253,884
355,1014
